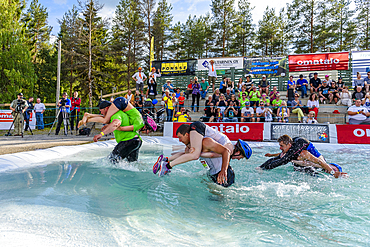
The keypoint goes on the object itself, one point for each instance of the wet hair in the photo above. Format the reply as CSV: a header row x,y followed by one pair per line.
x,y
183,129
285,139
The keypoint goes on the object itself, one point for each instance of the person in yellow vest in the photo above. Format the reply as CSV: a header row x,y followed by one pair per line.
x,y
130,97
168,105
183,116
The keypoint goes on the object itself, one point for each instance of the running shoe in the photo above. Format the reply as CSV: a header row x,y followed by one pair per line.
x,y
157,164
164,170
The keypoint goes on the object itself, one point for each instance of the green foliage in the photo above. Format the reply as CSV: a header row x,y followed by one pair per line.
x,y
363,23
16,70
161,25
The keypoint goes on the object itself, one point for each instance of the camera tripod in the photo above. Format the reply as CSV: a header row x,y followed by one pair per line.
x,y
65,121
21,123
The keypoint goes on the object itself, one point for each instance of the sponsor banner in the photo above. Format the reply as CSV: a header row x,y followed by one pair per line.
x,y
360,63
221,63
6,120
312,132
353,134
235,131
269,66
323,61
176,67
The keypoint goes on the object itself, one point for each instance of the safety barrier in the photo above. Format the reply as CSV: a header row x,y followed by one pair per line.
x,y
321,133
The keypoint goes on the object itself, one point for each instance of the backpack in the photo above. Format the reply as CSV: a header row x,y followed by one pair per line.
x,y
84,131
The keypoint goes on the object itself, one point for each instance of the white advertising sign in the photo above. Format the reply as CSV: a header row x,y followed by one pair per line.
x,y
222,63
6,120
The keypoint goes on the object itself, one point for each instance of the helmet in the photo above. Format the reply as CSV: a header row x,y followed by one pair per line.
x,y
335,167
244,148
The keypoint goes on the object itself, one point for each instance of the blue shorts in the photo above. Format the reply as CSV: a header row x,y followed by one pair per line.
x,y
121,103
311,148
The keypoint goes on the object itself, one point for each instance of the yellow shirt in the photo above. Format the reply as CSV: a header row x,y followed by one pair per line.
x,y
183,118
169,104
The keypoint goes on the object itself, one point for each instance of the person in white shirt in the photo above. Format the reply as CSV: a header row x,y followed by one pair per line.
x,y
212,74
140,78
358,114
366,101
39,110
247,113
345,97
263,112
311,118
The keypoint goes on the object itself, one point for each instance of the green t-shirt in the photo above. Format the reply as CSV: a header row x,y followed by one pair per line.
x,y
204,85
127,120
242,102
266,101
254,96
274,102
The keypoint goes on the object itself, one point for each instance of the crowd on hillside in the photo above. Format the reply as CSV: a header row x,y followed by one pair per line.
x,y
251,100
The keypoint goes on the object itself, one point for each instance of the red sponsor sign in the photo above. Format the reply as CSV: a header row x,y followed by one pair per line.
x,y
353,134
6,117
323,61
235,131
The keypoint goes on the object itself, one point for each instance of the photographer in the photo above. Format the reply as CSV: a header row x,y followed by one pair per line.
x,y
75,110
18,107
183,116
27,113
64,107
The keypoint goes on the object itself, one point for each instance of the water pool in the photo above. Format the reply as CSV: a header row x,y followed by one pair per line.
x,y
83,200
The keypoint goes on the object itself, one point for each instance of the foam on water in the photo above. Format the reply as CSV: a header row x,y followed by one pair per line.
x,y
72,196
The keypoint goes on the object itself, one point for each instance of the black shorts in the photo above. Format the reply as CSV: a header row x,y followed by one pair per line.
x,y
126,149
198,127
121,103
230,177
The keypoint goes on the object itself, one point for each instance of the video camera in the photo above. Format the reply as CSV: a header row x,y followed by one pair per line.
x,y
21,104
63,102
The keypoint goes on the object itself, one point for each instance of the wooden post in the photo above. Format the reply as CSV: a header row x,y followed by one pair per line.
x,y
58,74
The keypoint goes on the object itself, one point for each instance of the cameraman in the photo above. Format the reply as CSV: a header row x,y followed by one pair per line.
x,y
18,107
27,113
75,109
64,107
183,116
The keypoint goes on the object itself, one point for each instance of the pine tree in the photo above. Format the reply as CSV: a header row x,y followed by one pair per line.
x,y
147,13
93,48
161,27
345,27
267,32
37,29
128,37
363,23
224,15
243,30
71,37
16,69
177,48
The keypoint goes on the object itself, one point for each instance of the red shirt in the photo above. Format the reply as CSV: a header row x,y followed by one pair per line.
x,y
190,86
181,100
76,102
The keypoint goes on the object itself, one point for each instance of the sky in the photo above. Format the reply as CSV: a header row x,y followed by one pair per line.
x,y
181,9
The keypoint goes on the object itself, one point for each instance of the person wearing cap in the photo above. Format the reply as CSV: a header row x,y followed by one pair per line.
x,y
248,113
168,86
140,78
204,86
327,80
340,84
126,132
215,153
212,73
151,92
17,113
27,113
315,83
302,85
64,108
264,85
